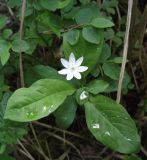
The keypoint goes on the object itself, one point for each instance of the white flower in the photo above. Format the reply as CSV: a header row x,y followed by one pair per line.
x,y
72,67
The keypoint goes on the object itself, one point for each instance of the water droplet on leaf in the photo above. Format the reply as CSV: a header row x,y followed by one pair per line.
x,y
83,95
107,133
128,139
44,108
30,114
96,125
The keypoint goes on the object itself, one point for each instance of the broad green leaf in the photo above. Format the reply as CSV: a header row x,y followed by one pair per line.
x,y
84,16
113,84
101,23
14,3
52,5
118,41
91,35
37,72
115,60
65,114
4,51
111,70
50,21
72,36
3,21
89,51
106,53
97,86
20,46
7,33
63,3
37,101
109,34
110,4
110,123
10,130
95,72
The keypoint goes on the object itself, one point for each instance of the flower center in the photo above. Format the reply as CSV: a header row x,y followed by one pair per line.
x,y
73,68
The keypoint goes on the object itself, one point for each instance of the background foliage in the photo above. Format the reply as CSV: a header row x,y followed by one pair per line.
x,y
53,29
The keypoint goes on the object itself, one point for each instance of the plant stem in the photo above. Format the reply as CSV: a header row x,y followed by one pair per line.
x,y
125,50
21,37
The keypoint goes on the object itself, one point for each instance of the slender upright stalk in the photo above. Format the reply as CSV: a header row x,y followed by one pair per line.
x,y
125,50
21,37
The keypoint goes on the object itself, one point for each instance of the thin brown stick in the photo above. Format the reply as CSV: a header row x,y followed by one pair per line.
x,y
25,150
135,79
67,142
58,129
125,50
21,37
143,150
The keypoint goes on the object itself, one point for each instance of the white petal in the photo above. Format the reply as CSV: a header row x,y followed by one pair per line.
x,y
77,75
63,71
64,62
79,61
72,58
69,76
82,68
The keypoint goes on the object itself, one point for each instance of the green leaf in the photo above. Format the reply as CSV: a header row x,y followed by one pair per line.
x,y
110,123
20,46
109,34
89,51
101,23
4,51
72,36
115,60
113,84
118,41
37,72
97,86
52,5
14,3
50,21
106,53
63,3
111,70
3,21
84,16
91,35
10,131
7,33
65,114
37,101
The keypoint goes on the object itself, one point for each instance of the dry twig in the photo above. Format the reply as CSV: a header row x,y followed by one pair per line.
x,y
21,37
125,50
